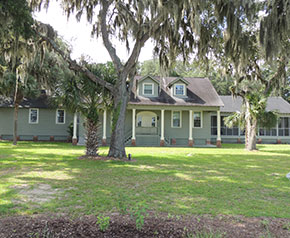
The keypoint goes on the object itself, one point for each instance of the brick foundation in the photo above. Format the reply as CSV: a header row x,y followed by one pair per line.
x,y
218,143
279,141
239,141
18,138
104,142
162,143
190,143
208,142
51,138
74,141
259,141
173,141
35,138
133,142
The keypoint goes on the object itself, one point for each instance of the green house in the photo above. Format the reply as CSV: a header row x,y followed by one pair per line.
x,y
176,111
170,111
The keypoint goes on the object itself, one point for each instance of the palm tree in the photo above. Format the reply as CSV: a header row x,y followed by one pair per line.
x,y
79,94
253,114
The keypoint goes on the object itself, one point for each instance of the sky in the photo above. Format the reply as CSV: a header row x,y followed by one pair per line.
x,y
78,34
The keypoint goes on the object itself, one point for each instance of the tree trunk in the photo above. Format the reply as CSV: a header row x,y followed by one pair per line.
x,y
252,136
251,129
92,145
16,107
117,144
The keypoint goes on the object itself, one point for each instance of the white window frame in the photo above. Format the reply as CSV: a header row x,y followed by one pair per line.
x,y
29,118
201,119
184,89
152,84
64,116
180,112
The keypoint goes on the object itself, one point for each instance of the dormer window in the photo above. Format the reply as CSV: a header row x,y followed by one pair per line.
x,y
148,89
179,89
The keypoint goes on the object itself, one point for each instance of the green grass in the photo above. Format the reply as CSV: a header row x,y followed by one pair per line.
x,y
229,180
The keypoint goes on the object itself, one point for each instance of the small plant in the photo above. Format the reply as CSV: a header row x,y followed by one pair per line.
x,y
103,222
169,216
265,224
138,213
286,226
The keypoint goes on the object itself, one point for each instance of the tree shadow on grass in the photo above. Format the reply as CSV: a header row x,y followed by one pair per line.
x,y
201,183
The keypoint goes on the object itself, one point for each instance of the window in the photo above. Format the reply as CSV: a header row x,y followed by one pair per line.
x,y
148,89
179,89
267,132
176,119
33,115
197,120
60,116
284,126
225,131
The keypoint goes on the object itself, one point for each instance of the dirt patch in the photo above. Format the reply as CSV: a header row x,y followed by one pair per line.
x,y
155,226
39,193
105,158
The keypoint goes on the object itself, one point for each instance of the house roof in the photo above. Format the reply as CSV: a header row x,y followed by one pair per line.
x,y
232,104
200,92
40,102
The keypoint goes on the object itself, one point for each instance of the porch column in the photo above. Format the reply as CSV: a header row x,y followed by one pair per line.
x,y
190,139
133,127
104,140
162,129
74,138
218,140
277,128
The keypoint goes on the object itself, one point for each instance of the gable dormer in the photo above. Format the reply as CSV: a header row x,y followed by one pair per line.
x,y
178,87
148,87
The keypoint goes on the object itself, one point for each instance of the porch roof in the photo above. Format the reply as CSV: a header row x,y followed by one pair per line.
x,y
273,104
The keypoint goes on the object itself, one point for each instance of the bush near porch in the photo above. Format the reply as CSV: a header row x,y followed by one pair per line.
x,y
229,181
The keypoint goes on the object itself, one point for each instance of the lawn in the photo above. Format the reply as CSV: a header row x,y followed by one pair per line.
x,y
228,181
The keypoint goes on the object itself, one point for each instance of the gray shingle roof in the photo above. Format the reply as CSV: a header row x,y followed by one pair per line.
x,y
40,102
200,92
273,104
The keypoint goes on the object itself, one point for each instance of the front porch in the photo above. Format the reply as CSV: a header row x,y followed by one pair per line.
x,y
149,126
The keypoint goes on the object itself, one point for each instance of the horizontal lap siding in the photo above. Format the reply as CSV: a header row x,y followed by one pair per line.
x,y
45,128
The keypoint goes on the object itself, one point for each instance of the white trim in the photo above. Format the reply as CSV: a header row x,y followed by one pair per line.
x,y
218,125
75,126
29,121
190,124
152,84
105,124
56,121
180,113
162,125
133,124
179,84
201,119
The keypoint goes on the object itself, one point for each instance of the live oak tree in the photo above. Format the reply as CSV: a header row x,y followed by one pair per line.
x,y
15,48
177,27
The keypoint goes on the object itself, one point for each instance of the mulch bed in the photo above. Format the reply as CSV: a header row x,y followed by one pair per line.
x,y
48,226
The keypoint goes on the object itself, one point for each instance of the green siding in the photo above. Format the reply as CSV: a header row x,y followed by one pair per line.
x,y
148,80
46,125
